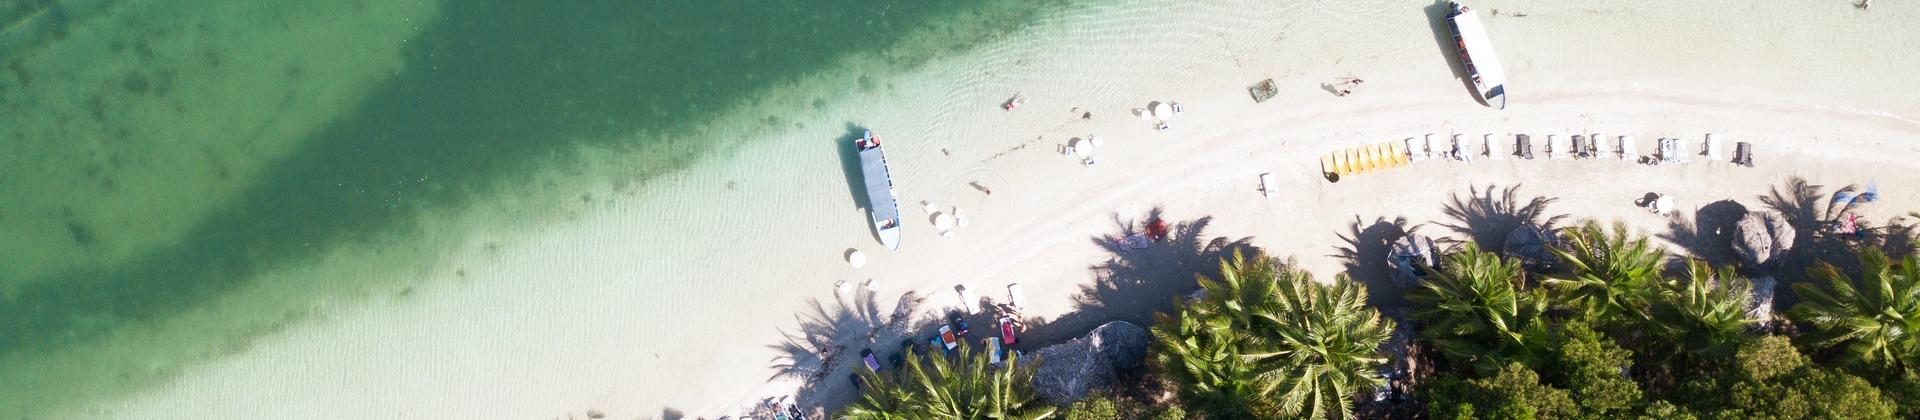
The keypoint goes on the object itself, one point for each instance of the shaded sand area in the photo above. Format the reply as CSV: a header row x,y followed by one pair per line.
x,y
600,271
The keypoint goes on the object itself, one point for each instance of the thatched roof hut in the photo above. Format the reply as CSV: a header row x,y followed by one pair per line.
x,y
1762,236
1408,257
1530,243
1069,370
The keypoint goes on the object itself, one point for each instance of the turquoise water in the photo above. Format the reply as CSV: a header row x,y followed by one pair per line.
x,y
123,225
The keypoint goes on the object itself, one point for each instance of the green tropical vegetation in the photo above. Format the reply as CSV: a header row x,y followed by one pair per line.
x,y
1620,330
1266,341
962,386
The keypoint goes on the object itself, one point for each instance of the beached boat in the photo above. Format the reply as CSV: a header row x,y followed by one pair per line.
x,y
882,205
1476,53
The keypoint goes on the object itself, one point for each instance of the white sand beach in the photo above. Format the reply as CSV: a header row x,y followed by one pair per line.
x,y
690,295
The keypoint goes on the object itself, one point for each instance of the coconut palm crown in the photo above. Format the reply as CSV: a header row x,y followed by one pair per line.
x,y
1478,313
1610,274
1266,340
1872,319
1704,314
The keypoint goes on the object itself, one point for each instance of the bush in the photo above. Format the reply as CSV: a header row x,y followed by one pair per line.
x,y
1514,393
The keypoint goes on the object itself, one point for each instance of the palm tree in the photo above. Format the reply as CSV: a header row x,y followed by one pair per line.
x,y
1477,312
1330,343
965,386
1611,275
1873,318
1266,340
1705,314
1207,365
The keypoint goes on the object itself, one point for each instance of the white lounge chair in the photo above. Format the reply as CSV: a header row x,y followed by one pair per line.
x,y
1714,152
1416,150
1554,149
1599,150
1434,148
1493,147
1016,297
1627,149
967,300
1673,151
1463,148
1266,184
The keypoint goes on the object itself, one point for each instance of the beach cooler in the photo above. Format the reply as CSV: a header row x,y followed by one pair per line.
x,y
1007,336
993,350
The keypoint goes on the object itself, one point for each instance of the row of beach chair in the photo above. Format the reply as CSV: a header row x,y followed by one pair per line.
x,y
1364,159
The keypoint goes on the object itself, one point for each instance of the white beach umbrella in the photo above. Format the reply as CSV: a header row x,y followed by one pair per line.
x,y
856,258
1143,113
1083,147
1663,205
942,222
1161,110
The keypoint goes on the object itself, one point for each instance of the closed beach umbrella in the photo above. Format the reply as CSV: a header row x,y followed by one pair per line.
x,y
1340,161
1161,110
856,258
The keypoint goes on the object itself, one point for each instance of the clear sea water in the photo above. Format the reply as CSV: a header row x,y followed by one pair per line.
x,y
156,156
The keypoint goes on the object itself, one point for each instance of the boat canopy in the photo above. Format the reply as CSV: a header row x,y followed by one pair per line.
x,y
879,186
1482,64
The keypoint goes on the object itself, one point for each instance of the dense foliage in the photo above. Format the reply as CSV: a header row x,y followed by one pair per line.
x,y
1620,330
961,386
1266,340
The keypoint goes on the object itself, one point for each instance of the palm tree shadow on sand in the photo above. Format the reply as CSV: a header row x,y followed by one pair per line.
x,y
1810,210
1133,284
1486,217
1365,258
830,337
1708,235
